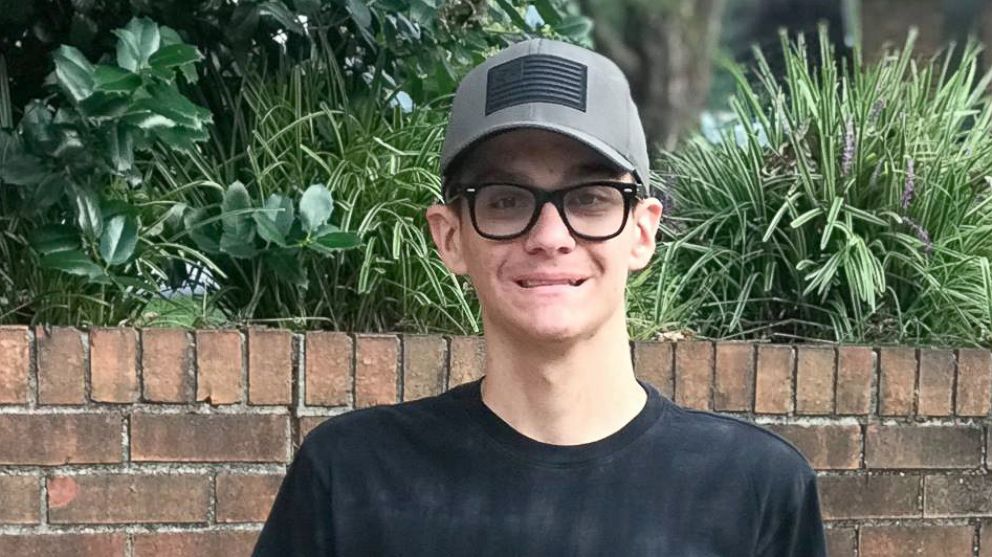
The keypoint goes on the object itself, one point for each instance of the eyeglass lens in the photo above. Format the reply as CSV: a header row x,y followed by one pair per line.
x,y
505,210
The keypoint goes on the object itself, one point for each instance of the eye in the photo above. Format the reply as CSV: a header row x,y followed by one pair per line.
x,y
503,203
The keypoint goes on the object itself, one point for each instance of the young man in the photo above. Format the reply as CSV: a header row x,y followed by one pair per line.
x,y
558,449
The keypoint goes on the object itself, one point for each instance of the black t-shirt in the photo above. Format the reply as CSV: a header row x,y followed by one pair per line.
x,y
445,476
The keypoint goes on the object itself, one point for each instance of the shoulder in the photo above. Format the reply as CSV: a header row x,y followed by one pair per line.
x,y
763,454
382,425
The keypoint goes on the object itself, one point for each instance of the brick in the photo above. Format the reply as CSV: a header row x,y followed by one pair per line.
x,y
957,495
855,369
653,363
19,496
974,382
63,545
909,446
423,366
128,498
815,380
218,367
868,496
209,437
166,365
60,439
468,358
985,528
936,382
307,423
773,386
693,374
897,381
15,360
113,365
376,370
328,368
900,541
733,377
60,366
826,447
841,542
270,366
194,544
246,498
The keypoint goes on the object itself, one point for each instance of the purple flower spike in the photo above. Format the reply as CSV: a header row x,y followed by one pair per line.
x,y
850,145
910,189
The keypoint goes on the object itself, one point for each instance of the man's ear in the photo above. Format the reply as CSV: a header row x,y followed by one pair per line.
x,y
647,217
445,223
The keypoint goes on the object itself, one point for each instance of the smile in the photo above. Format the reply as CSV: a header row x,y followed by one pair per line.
x,y
549,287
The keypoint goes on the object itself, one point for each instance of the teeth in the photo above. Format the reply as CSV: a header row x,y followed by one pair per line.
x,y
533,283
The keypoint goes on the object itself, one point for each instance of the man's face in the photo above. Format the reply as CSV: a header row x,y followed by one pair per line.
x,y
548,161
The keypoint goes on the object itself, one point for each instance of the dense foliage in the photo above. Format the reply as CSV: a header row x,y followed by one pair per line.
x,y
270,162
848,204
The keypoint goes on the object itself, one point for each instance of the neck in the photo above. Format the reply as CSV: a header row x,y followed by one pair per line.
x,y
563,393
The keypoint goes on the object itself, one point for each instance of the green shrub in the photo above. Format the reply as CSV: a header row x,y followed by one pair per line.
x,y
68,169
378,164
849,204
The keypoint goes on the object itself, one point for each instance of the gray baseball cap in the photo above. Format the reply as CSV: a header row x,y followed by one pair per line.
x,y
551,85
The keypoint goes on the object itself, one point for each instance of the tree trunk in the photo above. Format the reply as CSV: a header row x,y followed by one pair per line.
x,y
665,48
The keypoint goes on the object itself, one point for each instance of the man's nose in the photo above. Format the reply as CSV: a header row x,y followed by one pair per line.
x,y
549,232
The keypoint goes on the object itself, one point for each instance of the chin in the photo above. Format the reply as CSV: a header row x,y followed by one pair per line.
x,y
558,327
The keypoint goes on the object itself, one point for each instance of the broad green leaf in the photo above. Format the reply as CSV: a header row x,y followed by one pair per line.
x,y
175,55
309,8
315,207
236,206
167,101
360,13
104,106
168,36
73,262
180,138
574,26
88,213
52,238
146,36
335,241
36,125
235,246
128,56
69,144
548,12
120,148
48,192
205,234
147,120
120,236
74,72
275,221
286,265
238,236
112,79
23,169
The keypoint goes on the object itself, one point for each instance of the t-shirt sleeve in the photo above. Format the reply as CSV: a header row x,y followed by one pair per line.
x,y
299,523
789,508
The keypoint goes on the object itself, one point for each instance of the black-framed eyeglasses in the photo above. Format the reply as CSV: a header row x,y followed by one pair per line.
x,y
595,210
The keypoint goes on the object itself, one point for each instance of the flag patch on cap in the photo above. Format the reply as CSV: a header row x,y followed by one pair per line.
x,y
536,78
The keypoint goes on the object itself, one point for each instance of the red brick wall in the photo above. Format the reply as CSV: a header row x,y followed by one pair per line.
x,y
120,442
